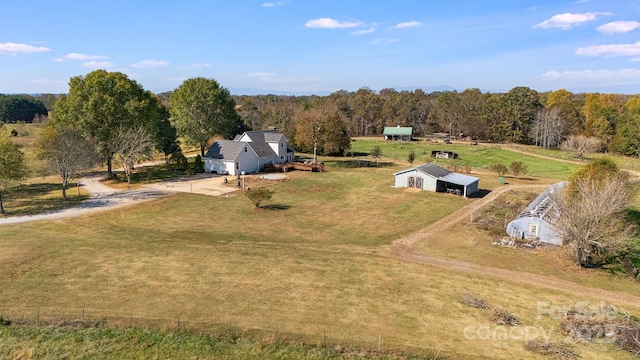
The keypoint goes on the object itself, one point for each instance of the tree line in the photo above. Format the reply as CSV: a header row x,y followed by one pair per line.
x,y
521,115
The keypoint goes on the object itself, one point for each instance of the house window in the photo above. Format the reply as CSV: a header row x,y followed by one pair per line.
x,y
245,149
281,157
533,229
237,165
281,144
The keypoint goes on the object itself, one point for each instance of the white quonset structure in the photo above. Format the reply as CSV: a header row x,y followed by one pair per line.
x,y
248,152
432,177
536,222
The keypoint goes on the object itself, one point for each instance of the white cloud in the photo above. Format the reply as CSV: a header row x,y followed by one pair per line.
x,y
363,32
568,20
618,27
406,24
274,4
384,41
150,64
17,49
624,75
260,75
328,23
81,57
98,64
611,50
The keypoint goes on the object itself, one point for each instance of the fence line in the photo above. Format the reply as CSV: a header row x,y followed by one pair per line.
x,y
221,324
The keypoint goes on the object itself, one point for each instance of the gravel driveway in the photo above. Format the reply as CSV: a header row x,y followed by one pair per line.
x,y
105,198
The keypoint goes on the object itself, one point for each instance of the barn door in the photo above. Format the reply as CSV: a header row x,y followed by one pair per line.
x,y
411,182
418,183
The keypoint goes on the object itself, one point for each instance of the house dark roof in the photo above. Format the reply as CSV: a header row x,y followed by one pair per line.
x,y
261,148
230,149
225,150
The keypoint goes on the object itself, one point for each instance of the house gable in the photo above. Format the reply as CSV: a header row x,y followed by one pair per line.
x,y
248,152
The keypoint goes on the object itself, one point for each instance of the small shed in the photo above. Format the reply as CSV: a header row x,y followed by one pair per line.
x,y
432,177
398,133
439,154
536,221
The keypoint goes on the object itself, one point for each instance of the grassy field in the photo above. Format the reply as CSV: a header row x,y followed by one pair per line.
x,y
315,266
478,157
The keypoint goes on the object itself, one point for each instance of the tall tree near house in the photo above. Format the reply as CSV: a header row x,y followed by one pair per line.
x,y
593,214
200,108
321,131
67,154
12,165
101,103
166,138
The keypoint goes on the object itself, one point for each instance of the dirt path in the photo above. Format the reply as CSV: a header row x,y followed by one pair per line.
x,y
405,249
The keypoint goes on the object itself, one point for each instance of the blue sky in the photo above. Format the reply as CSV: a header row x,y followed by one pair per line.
x,y
305,46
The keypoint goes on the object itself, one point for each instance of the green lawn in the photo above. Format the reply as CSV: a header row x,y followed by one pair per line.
x,y
477,156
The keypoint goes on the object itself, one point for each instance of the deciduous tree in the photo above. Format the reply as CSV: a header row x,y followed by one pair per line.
x,y
200,108
103,103
67,154
499,169
517,168
411,157
12,165
593,214
580,145
129,146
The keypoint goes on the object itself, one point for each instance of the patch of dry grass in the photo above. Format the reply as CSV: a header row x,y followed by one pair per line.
x,y
319,269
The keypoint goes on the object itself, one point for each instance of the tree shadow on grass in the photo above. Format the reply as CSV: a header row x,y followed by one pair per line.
x,y
29,199
276,207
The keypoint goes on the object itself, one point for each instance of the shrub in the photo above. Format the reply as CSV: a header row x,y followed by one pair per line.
x,y
178,161
258,196
499,169
198,165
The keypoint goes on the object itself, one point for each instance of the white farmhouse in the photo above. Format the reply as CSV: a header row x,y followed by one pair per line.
x,y
248,152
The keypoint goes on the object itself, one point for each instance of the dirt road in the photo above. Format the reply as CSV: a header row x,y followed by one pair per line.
x,y
405,249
